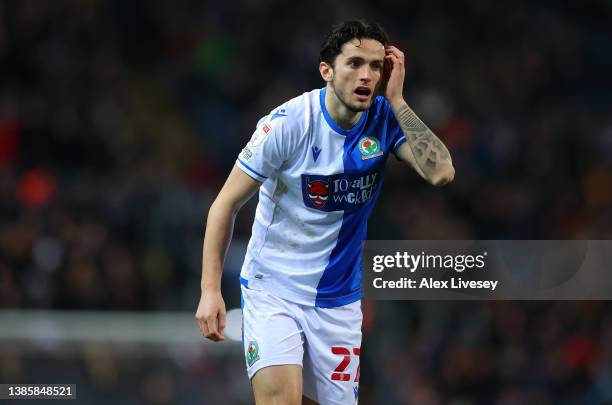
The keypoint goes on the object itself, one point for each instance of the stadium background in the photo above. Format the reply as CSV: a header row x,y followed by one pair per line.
x,y
119,121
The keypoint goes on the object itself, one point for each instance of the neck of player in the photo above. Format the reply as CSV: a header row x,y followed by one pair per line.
x,y
340,113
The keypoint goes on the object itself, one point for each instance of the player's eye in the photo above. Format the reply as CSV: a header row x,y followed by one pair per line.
x,y
353,63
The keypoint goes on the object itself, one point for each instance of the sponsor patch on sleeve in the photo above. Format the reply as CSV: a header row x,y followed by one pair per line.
x,y
259,135
246,154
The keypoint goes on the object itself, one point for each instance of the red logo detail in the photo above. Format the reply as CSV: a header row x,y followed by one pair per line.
x,y
318,192
266,128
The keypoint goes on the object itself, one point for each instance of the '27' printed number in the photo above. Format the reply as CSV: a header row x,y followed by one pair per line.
x,y
339,374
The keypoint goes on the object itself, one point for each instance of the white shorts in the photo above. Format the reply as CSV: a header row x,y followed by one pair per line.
x,y
324,341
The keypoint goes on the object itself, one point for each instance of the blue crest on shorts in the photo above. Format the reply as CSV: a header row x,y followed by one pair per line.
x,y
252,353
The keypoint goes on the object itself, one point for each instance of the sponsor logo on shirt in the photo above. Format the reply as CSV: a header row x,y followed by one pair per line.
x,y
318,192
369,147
339,192
316,151
259,135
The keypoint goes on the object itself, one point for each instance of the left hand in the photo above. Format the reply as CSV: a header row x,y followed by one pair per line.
x,y
395,84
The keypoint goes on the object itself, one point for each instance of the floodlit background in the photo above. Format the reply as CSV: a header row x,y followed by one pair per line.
x,y
119,121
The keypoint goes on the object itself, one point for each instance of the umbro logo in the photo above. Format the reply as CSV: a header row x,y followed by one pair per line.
x,y
316,151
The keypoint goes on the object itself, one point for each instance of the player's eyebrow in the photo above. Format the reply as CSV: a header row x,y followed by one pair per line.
x,y
355,59
361,60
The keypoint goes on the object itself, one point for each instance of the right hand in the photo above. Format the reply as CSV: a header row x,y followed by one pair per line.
x,y
210,315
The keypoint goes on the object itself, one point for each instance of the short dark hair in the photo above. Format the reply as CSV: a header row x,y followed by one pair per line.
x,y
345,31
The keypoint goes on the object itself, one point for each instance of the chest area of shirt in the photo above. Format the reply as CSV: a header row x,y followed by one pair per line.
x,y
340,173
327,152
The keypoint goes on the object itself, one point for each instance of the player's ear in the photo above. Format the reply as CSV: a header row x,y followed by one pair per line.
x,y
327,71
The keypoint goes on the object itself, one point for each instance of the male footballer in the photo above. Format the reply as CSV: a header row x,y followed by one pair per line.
x,y
318,162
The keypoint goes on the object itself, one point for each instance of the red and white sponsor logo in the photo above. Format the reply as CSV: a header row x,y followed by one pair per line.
x,y
259,135
318,192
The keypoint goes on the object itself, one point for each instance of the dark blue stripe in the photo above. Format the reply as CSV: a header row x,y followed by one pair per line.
x,y
341,280
251,169
340,283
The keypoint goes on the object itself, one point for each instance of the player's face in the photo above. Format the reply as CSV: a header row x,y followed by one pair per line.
x,y
357,73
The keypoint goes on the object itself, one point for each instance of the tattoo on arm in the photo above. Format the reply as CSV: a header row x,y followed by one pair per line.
x,y
427,148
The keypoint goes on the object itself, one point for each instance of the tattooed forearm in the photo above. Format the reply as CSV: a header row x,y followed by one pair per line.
x,y
428,150
423,150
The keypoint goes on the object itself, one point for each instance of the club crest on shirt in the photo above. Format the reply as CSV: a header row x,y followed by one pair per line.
x,y
318,192
369,147
252,353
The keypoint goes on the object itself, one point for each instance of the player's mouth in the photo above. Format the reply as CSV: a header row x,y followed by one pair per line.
x,y
363,93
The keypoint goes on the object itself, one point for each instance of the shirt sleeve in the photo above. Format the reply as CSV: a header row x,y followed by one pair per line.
x,y
396,135
267,150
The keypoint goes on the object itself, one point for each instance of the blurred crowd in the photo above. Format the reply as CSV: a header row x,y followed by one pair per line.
x,y
503,353
104,374
119,122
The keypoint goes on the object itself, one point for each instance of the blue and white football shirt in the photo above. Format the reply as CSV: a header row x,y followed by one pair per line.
x,y
320,183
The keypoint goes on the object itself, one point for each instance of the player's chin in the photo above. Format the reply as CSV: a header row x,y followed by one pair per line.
x,y
361,103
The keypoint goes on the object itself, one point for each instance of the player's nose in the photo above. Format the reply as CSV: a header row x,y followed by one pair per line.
x,y
366,73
